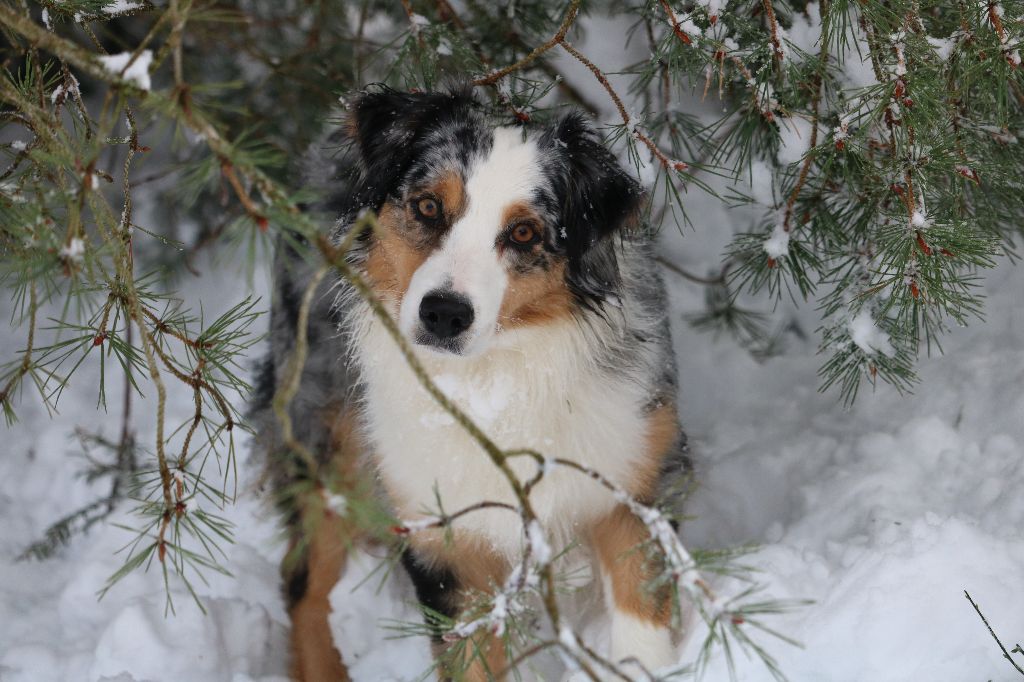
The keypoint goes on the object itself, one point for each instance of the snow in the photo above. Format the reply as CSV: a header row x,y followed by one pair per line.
x,y
714,7
64,90
418,21
866,335
794,139
647,169
136,73
761,184
882,514
943,46
777,244
540,550
118,7
806,29
73,250
363,607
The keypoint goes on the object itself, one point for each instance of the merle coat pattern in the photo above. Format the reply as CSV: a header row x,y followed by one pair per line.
x,y
457,196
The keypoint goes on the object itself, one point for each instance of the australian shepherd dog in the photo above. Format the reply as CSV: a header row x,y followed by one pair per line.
x,y
511,260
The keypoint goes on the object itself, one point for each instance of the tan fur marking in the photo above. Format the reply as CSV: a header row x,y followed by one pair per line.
x,y
661,436
535,298
471,559
538,296
392,259
618,542
395,254
618,538
519,211
314,656
452,192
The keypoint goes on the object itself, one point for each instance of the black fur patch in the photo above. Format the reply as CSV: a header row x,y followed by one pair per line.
x,y
595,199
296,582
390,130
264,384
436,588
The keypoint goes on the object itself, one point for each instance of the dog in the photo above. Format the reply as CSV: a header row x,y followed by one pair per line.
x,y
511,259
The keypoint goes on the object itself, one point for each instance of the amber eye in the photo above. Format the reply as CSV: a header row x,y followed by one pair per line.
x,y
524,234
428,208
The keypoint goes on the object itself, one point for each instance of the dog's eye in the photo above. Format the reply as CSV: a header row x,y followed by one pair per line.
x,y
524,234
428,208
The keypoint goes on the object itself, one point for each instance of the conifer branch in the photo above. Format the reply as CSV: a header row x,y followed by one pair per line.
x,y
815,107
773,25
563,29
26,358
632,127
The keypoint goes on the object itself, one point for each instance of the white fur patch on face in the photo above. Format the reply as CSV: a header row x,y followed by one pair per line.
x,y
468,262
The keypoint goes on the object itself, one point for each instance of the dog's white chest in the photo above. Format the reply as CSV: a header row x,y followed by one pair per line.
x,y
537,391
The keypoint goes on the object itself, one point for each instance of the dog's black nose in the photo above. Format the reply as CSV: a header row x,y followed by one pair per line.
x,y
445,314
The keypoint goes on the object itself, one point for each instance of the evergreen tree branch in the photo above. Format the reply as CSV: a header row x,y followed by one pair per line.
x,y
632,126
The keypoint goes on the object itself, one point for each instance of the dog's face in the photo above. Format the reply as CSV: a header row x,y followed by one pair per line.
x,y
483,228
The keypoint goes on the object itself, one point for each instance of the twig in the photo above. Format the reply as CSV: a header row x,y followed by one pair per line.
x,y
679,32
570,17
257,216
448,13
773,24
634,128
984,620
86,61
709,281
815,107
445,520
26,358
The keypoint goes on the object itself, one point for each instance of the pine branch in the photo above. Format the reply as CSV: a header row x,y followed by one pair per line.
x,y
537,52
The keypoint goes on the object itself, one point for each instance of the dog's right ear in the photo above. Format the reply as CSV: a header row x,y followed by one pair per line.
x,y
386,126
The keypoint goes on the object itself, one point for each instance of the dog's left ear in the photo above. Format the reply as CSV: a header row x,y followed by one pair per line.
x,y
600,200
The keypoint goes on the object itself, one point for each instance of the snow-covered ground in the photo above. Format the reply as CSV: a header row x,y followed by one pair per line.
x,y
882,514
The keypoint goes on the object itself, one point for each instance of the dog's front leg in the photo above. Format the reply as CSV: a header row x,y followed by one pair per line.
x,y
451,576
314,657
640,615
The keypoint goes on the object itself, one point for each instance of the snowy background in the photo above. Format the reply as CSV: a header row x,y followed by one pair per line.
x,y
882,514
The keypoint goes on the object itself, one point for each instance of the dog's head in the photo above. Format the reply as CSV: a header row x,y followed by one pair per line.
x,y
485,228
